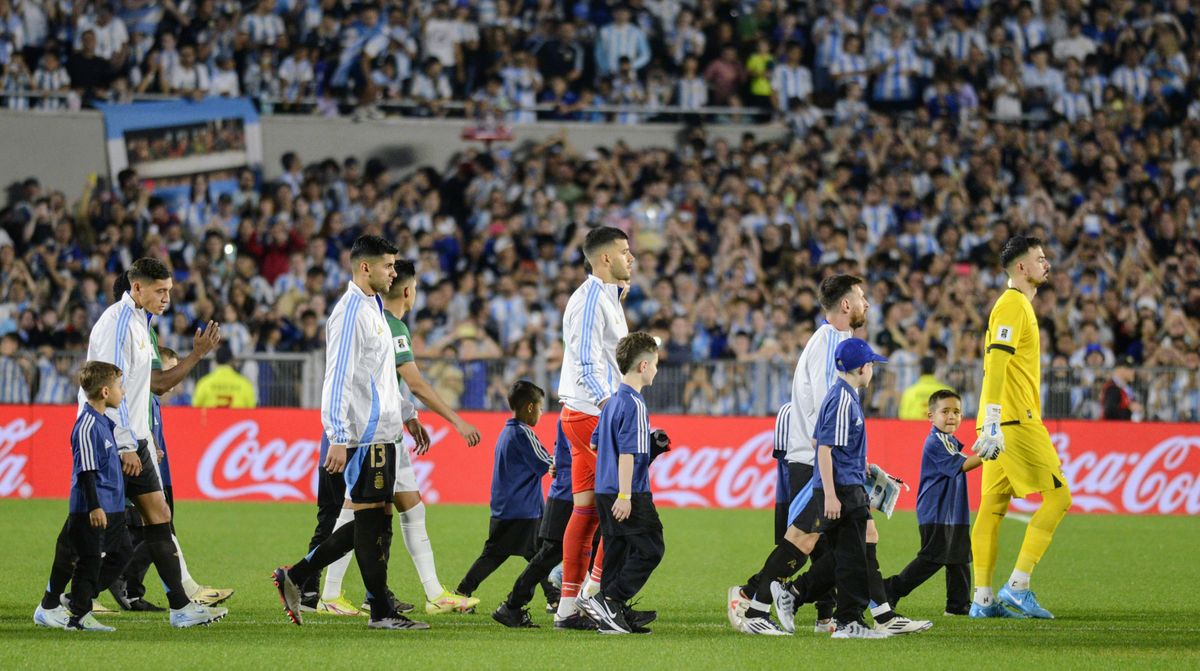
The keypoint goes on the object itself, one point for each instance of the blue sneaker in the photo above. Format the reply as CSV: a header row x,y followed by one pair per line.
x,y
1024,601
995,610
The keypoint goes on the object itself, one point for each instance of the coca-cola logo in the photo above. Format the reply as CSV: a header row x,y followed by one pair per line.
x,y
1159,480
737,477
12,466
237,464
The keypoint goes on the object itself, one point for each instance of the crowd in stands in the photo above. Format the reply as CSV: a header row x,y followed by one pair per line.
x,y
1011,59
731,238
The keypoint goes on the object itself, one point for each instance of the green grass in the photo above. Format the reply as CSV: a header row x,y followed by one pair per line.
x,y
1123,589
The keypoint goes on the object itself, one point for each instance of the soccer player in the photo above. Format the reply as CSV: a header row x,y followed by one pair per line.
x,y
555,516
516,499
629,521
122,337
363,414
1019,458
593,324
838,507
97,504
397,302
943,514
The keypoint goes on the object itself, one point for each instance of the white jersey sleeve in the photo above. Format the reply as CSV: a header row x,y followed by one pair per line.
x,y
815,373
341,355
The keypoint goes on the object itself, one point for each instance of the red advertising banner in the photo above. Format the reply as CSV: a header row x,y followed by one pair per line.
x,y
720,462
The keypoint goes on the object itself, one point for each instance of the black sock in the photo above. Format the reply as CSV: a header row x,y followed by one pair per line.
x,y
372,560
785,560
330,550
875,585
166,562
387,537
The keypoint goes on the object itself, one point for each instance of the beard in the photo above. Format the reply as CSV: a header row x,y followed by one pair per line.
x,y
382,286
859,320
622,274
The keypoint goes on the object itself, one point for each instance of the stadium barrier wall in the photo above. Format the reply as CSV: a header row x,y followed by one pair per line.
x,y
720,462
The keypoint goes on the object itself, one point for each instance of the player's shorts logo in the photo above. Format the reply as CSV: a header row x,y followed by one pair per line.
x,y
379,481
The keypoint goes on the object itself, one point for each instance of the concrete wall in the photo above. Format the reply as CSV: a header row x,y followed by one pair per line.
x,y
61,149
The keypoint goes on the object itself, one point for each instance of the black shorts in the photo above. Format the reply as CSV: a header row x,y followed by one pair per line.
x,y
555,518
946,543
511,538
371,473
643,516
854,505
147,481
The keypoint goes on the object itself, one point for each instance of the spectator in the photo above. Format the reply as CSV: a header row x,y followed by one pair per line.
x,y
14,373
621,39
914,401
224,387
1117,396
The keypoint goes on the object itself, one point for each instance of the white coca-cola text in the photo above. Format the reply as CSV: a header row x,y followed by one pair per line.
x,y
12,465
739,477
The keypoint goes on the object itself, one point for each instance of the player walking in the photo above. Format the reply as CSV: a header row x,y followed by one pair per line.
x,y
593,324
1019,458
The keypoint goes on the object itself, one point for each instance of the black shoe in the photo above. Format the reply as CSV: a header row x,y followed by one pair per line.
x,y
639,618
141,605
515,618
309,601
399,606
575,621
117,590
612,616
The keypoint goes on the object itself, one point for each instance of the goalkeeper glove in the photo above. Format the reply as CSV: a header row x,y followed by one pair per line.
x,y
990,442
659,443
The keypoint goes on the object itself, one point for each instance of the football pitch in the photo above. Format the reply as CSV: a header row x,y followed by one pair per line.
x,y
1123,589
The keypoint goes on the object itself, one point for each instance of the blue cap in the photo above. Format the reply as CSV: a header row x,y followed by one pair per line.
x,y
854,353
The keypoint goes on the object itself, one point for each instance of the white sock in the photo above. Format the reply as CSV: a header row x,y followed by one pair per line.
x,y
337,570
416,541
983,596
1019,580
882,609
566,607
189,586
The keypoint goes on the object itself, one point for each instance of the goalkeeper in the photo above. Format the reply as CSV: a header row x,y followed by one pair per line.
x,y
942,510
1019,458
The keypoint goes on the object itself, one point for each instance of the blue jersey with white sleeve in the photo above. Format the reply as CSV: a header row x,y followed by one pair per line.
x,y
942,496
623,428
841,426
94,448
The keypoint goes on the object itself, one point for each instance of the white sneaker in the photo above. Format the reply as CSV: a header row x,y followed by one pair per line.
x,y
589,588
737,605
87,623
763,626
824,626
785,606
899,625
54,618
856,630
193,615
397,621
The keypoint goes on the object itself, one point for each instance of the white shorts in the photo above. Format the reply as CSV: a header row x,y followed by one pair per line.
x,y
406,477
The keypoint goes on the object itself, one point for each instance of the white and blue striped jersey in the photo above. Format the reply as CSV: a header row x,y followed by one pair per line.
x,y
53,388
593,324
361,403
1049,80
691,93
1094,87
783,428
14,388
1028,36
1133,82
815,374
616,41
880,220
263,29
956,45
789,82
122,337
51,80
835,30
849,68
1073,106
895,82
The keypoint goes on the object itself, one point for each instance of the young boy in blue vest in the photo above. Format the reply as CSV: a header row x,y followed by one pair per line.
x,y
943,512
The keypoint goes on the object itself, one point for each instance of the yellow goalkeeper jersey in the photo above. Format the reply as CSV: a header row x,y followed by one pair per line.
x,y
1012,360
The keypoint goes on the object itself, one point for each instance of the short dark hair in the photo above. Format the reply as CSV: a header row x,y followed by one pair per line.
x,y
120,286
632,347
405,271
941,395
148,269
522,393
224,354
370,246
599,237
834,288
96,375
928,365
167,353
1016,247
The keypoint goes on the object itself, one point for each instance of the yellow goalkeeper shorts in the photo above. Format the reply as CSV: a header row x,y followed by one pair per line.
x,y
1029,463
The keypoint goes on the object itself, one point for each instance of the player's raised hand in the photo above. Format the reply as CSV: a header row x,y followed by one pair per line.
x,y
335,459
468,432
207,339
419,434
